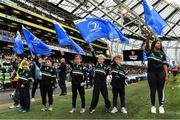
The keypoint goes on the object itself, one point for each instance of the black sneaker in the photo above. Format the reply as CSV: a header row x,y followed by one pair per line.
x,y
108,110
91,111
62,94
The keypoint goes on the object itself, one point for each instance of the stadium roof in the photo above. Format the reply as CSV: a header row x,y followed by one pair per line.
x,y
127,14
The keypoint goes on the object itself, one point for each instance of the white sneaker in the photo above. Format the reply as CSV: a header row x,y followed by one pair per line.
x,y
50,108
14,106
114,110
91,111
43,109
83,110
161,110
18,106
72,111
123,110
153,109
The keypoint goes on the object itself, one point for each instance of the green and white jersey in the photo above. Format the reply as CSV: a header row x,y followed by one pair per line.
x,y
156,60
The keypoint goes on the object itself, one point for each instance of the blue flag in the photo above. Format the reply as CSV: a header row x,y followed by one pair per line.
x,y
115,33
18,44
92,29
153,19
64,40
35,44
144,56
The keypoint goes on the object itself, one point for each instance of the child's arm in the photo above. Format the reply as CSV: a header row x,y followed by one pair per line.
x,y
110,53
94,59
31,79
85,76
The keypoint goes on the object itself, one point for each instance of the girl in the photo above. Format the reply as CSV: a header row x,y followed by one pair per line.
x,y
157,72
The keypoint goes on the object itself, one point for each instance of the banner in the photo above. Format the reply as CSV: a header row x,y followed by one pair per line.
x,y
133,55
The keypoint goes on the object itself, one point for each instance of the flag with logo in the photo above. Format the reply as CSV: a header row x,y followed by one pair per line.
x,y
18,44
92,29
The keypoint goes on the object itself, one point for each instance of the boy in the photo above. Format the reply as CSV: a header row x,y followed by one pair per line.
x,y
46,84
118,84
24,86
100,73
78,82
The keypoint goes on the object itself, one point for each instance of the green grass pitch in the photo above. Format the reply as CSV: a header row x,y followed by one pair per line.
x,y
137,102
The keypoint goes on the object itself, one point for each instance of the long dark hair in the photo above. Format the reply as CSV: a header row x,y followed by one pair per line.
x,y
153,46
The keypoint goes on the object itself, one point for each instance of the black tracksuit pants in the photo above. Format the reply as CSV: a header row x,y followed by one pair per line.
x,y
156,82
100,87
25,98
35,85
62,83
75,90
16,97
121,92
46,89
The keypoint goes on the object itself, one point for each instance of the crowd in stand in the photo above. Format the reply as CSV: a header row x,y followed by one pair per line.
x,y
35,10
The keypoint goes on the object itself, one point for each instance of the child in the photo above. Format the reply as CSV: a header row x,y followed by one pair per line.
x,y
118,84
24,86
46,84
100,74
14,80
78,82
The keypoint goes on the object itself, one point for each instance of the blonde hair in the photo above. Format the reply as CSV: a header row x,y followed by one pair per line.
x,y
25,63
101,55
118,56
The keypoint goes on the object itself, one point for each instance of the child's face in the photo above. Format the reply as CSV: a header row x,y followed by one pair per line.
x,y
90,65
62,60
40,60
117,60
25,67
48,62
18,59
77,60
101,60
